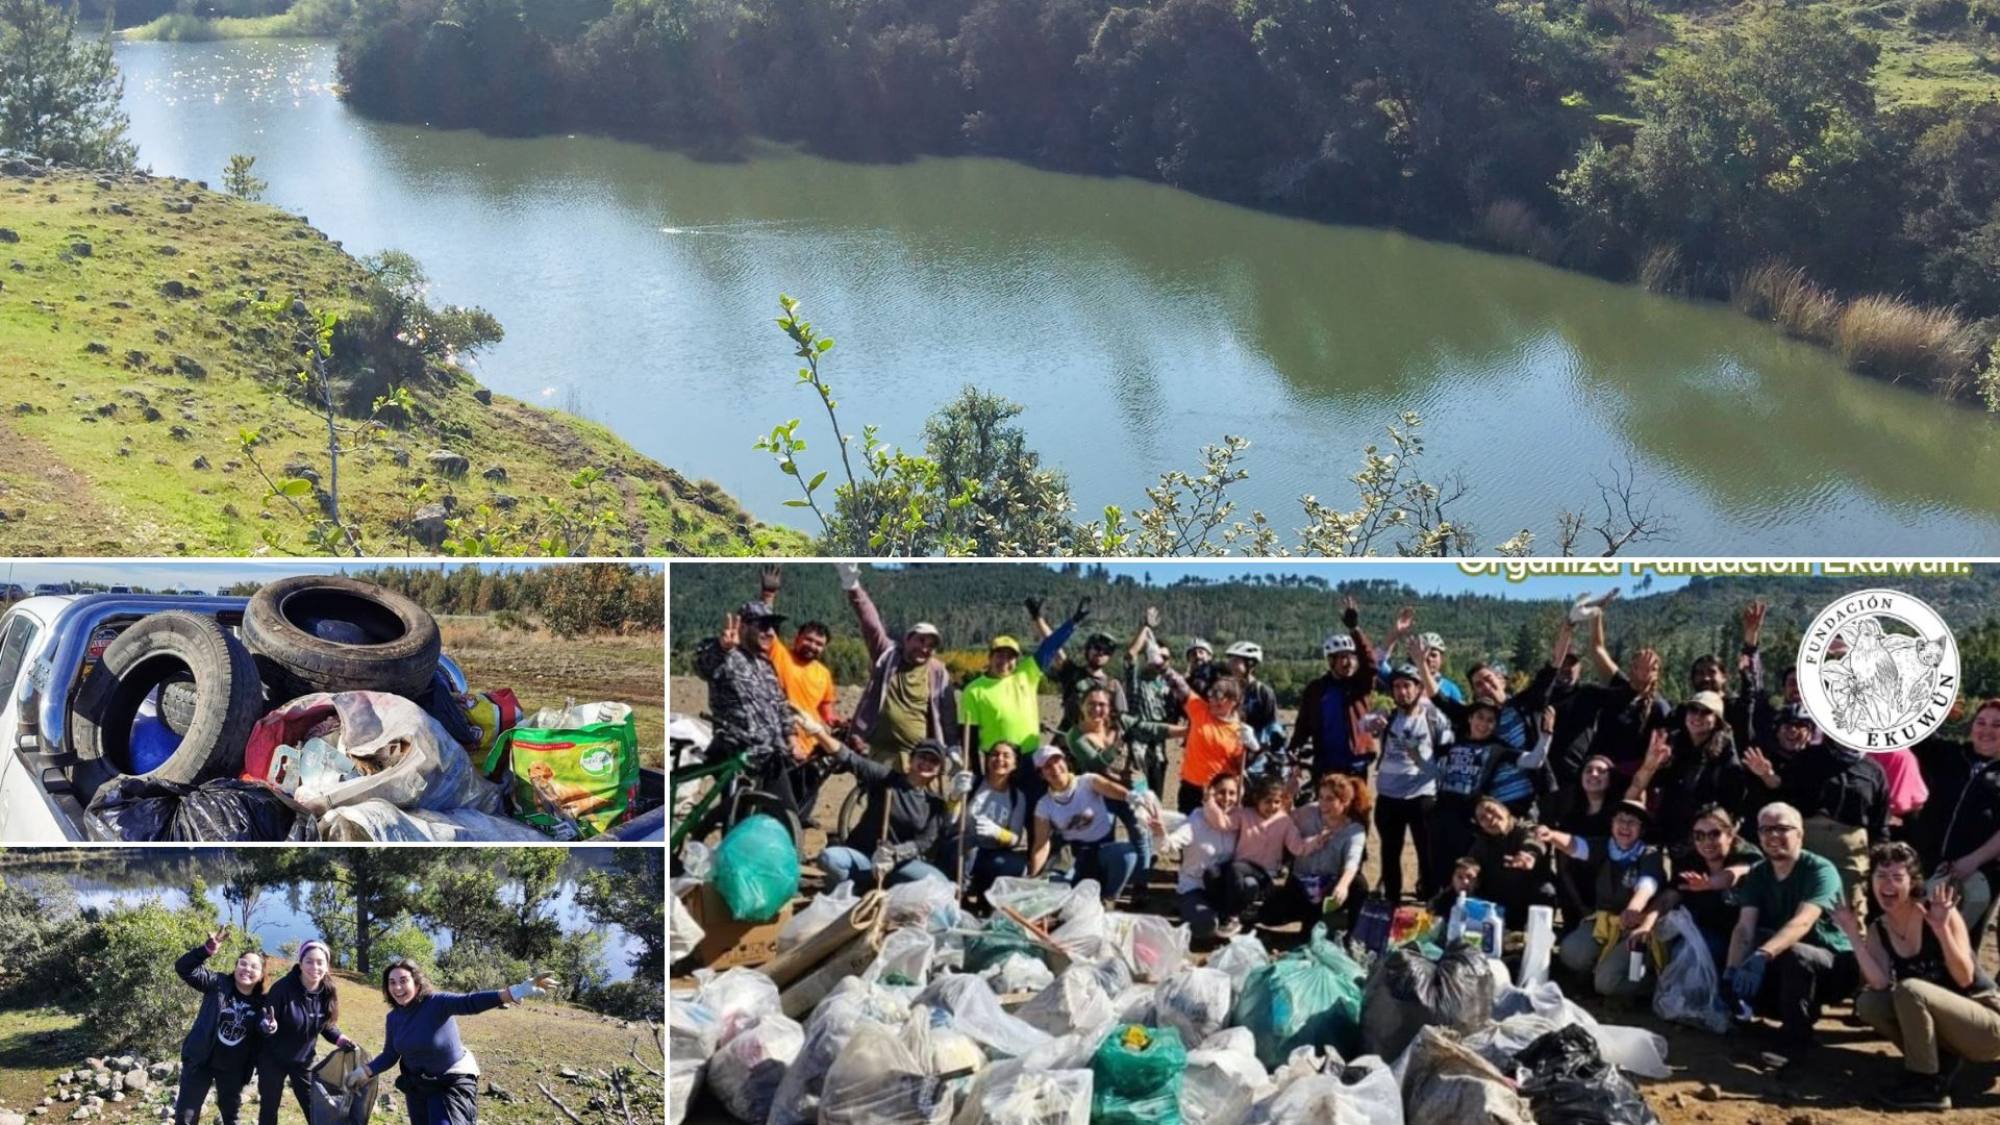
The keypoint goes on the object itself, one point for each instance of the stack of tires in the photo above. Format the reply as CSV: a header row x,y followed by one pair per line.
x,y
299,635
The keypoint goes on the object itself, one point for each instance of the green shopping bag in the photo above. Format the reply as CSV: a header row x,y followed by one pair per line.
x,y
575,772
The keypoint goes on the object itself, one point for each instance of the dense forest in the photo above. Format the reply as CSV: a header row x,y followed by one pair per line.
x,y
1699,147
1288,615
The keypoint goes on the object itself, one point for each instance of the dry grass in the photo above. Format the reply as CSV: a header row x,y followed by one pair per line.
x,y
1513,226
1661,271
546,670
1895,339
1783,294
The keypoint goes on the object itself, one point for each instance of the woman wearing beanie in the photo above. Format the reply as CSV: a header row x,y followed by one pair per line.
x,y
302,1005
440,1079
219,1047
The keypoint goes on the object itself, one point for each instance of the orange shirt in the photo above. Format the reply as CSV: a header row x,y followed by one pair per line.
x,y
808,686
1213,745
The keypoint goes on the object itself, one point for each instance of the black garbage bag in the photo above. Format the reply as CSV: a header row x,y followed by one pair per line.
x,y
1408,992
227,810
441,703
1569,1083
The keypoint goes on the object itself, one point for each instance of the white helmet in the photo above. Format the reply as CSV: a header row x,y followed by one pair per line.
x,y
1430,641
1248,650
1337,642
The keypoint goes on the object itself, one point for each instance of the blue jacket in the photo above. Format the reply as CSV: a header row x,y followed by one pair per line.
x,y
424,1035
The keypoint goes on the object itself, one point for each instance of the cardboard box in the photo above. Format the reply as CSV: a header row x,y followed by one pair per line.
x,y
726,942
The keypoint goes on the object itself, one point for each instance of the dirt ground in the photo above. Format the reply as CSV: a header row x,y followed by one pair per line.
x,y
1710,1084
548,671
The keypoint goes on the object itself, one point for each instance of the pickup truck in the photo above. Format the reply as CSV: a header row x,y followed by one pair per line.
x,y
49,645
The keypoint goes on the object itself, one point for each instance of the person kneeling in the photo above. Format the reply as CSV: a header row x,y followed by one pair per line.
x,y
1630,874
1925,990
1074,812
1786,957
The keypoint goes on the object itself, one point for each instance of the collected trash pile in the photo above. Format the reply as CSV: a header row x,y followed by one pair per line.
x,y
896,1008
330,715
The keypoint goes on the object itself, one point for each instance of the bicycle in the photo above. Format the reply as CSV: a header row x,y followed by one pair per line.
x,y
732,796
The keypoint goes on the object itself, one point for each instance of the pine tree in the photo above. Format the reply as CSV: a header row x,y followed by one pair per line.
x,y
59,92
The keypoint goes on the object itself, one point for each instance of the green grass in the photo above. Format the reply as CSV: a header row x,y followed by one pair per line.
x,y
517,1048
110,445
309,19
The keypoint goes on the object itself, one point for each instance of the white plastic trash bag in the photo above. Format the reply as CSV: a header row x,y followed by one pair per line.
x,y
977,1012
1135,1005
1051,1097
683,932
904,962
1689,990
930,904
818,914
739,998
383,823
1498,1043
1018,972
1154,947
410,761
1222,1082
850,1005
748,1068
1195,1002
1242,956
1631,1049
879,1080
1075,1001
1443,1080
691,1038
1033,899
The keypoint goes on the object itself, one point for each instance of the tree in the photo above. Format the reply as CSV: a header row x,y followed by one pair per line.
x,y
358,893
59,93
239,179
632,897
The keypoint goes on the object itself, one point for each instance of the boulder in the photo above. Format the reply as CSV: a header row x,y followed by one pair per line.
x,y
483,396
80,249
448,463
187,365
428,526
496,474
174,287
8,234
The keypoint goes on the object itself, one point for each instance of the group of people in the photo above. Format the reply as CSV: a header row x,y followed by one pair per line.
x,y
1812,874
249,1026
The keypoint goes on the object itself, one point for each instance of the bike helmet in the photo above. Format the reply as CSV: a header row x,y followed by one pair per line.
x,y
1405,672
1430,641
1248,650
1337,642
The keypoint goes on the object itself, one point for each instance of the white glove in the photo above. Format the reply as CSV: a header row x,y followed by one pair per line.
x,y
850,574
961,784
884,857
535,986
987,826
359,1076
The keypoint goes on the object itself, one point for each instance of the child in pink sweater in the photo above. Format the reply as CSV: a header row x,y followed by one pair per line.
x,y
1265,833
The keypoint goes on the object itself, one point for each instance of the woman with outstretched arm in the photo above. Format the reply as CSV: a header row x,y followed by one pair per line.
x,y
440,1079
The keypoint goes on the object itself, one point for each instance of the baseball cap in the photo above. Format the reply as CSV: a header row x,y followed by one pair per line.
x,y
1634,808
924,629
1048,754
1796,716
1100,639
1002,641
1708,701
1200,643
932,747
758,611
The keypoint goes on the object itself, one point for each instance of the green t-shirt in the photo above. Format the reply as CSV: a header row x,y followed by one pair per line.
x,y
1813,879
1006,709
906,712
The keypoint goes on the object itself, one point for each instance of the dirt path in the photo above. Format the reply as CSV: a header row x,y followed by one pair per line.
x,y
47,508
1709,1084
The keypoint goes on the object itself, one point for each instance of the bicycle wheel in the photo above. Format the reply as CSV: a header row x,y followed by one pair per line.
x,y
747,803
850,812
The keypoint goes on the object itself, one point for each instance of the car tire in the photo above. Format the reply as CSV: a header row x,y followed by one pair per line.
x,y
179,700
314,634
227,698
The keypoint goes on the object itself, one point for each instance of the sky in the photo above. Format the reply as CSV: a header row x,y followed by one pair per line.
x,y
208,576
1424,575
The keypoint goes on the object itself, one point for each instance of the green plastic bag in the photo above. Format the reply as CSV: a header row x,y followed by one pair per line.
x,y
576,777
1311,997
756,869
1136,1077
993,944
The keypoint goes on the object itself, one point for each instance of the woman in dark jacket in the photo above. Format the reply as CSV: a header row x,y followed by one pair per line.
x,y
301,1006
218,1049
440,1079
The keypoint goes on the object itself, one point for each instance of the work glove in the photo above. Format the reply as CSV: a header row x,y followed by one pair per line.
x,y
359,1076
992,829
850,575
1081,612
961,784
884,857
1033,604
1747,978
537,985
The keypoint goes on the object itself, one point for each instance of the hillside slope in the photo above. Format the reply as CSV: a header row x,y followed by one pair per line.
x,y
131,357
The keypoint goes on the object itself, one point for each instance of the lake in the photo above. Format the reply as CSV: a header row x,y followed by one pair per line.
x,y
1134,322
129,878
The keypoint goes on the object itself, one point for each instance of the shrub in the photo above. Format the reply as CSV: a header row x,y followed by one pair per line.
x,y
1513,226
405,940
1893,338
40,933
473,966
1661,272
1940,15
1776,292
628,999
131,997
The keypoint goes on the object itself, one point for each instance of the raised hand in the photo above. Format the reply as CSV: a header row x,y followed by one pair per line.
x,y
1755,761
1843,917
1406,618
218,937
1152,617
1548,720
1939,904
850,575
1081,613
1350,612
1753,621
732,632
1659,751
1033,604
771,578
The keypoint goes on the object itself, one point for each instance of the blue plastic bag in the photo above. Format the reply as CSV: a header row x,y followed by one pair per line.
x,y
757,869
1311,997
1137,1077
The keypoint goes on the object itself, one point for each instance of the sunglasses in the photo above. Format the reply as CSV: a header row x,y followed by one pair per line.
x,y
1708,833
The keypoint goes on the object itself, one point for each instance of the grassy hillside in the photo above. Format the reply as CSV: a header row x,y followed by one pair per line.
x,y
516,1048
306,19
134,358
